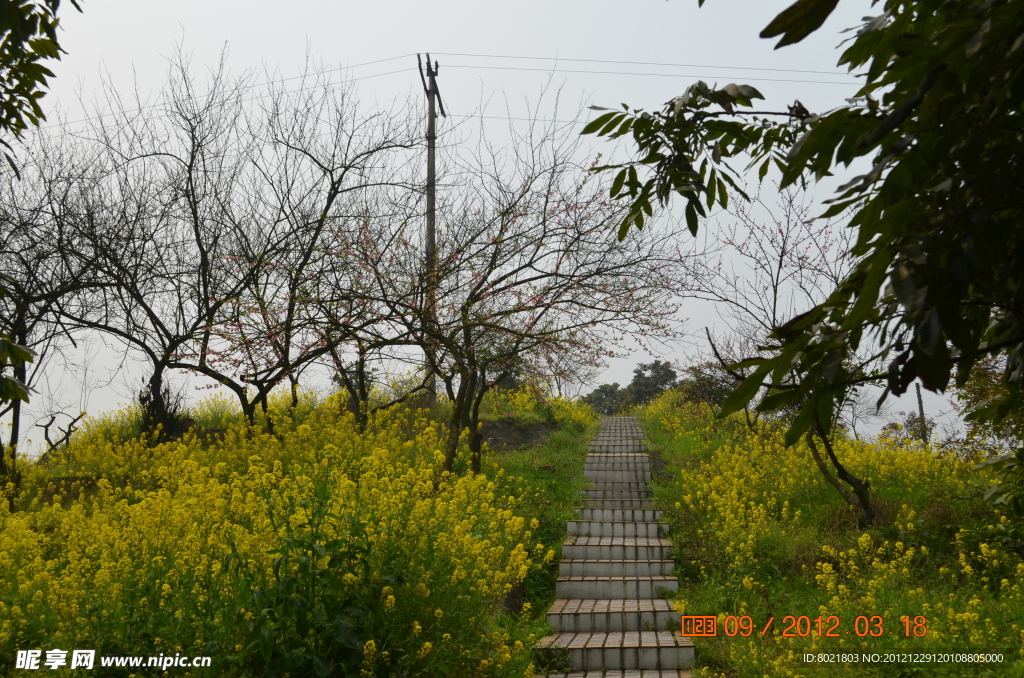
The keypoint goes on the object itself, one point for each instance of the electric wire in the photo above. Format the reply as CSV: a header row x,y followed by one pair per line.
x,y
260,84
554,69
638,63
655,75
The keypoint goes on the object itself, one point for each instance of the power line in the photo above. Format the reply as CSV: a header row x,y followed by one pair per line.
x,y
246,88
656,75
485,67
259,84
640,63
508,117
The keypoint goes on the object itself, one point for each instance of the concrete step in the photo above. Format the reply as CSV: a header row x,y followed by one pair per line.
x,y
598,446
621,485
599,528
619,650
610,617
621,466
632,673
614,587
624,504
631,474
615,568
635,515
589,614
620,495
616,548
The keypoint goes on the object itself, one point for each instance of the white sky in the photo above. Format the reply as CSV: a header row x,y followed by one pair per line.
x,y
131,42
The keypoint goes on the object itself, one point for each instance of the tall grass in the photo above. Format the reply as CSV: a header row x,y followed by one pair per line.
x,y
318,550
759,533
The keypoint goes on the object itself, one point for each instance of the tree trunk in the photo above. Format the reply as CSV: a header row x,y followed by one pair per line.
x,y
476,443
295,391
858,495
154,405
9,466
459,418
454,429
261,398
476,438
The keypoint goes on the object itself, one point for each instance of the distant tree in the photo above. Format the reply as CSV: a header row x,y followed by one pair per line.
x,y
706,382
214,229
649,381
28,36
606,399
987,385
40,267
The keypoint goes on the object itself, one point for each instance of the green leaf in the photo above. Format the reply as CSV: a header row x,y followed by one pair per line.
x,y
777,401
14,354
803,420
743,393
611,124
691,217
799,20
321,668
599,122
12,389
617,183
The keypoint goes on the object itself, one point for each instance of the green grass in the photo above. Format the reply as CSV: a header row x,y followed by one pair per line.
x,y
786,560
550,476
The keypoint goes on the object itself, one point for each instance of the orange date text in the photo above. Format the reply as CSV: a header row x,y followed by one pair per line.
x,y
803,626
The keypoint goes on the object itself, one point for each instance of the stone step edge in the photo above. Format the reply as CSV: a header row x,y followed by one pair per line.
x,y
659,523
620,673
583,540
654,577
610,606
615,561
613,639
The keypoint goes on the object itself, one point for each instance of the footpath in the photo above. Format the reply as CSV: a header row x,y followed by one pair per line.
x,y
610,619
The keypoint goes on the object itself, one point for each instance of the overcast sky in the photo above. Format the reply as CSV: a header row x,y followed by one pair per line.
x,y
642,52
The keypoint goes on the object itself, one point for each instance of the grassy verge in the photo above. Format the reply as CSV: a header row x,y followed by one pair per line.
x,y
550,478
319,550
759,534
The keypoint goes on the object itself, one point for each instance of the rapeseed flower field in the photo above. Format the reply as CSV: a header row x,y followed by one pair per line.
x,y
318,550
760,534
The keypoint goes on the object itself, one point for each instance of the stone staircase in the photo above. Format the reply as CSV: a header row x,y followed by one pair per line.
x,y
609,619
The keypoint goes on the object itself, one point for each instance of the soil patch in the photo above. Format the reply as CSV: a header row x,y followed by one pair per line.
x,y
502,435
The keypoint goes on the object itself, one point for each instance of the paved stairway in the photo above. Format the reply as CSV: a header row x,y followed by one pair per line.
x,y
609,620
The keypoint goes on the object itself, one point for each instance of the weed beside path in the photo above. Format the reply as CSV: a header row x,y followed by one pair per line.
x,y
760,534
320,550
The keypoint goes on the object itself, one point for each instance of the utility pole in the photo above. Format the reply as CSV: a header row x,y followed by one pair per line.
x,y
433,95
920,412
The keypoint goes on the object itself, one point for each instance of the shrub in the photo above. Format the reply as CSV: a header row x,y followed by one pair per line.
x,y
317,549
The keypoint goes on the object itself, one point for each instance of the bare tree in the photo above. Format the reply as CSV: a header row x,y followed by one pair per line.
x,y
774,263
529,274
210,215
319,157
39,217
